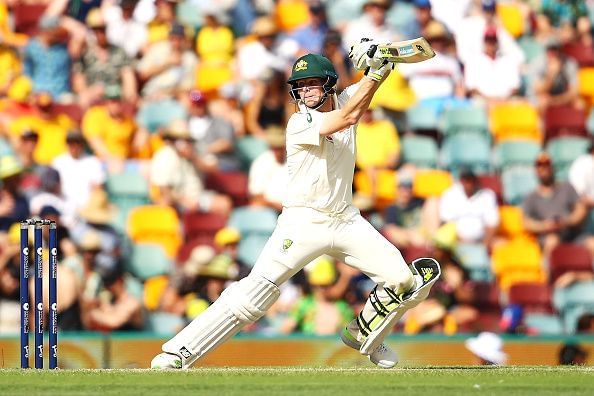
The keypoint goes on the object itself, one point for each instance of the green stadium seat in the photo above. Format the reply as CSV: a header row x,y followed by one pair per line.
x,y
544,324
517,183
147,260
5,147
248,148
475,258
421,151
467,119
164,323
573,301
590,123
515,153
251,219
126,191
564,150
189,14
255,225
422,118
531,48
466,151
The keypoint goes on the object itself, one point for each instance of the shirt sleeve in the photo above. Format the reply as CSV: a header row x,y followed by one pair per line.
x,y
162,168
491,211
576,177
304,128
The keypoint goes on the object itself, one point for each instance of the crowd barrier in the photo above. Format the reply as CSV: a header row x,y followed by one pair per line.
x,y
135,350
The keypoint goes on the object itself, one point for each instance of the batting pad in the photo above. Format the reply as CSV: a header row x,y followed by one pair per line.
x,y
385,309
241,303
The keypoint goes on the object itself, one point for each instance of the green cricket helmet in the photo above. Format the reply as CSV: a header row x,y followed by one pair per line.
x,y
312,66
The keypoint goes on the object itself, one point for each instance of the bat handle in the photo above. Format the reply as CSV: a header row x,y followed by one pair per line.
x,y
371,51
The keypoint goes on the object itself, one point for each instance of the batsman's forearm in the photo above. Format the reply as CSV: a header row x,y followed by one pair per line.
x,y
361,99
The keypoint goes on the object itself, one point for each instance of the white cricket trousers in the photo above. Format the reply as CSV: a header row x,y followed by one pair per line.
x,y
303,234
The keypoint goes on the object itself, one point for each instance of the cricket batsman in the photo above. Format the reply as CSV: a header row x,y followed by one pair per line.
x,y
318,218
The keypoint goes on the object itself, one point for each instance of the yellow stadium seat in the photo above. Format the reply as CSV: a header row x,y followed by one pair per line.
x,y
291,14
155,224
394,93
511,223
431,183
515,120
511,17
586,84
386,186
518,260
153,291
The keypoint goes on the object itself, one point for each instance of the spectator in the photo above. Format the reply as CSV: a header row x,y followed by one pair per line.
x,y
51,129
320,313
471,209
333,50
211,280
168,66
229,106
553,212
378,148
182,281
227,242
162,23
563,12
123,30
10,307
487,349
470,32
423,17
97,216
440,78
80,173
51,195
269,51
111,132
214,136
214,45
581,177
492,75
268,175
116,308
556,83
311,36
13,205
176,170
572,355
46,59
451,12
371,24
267,105
102,65
410,221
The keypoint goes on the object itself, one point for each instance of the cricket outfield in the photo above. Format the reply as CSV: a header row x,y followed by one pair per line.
x,y
513,380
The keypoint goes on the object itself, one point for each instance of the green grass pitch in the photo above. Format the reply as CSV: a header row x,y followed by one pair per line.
x,y
303,381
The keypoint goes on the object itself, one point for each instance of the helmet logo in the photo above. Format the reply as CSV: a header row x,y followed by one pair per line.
x,y
301,65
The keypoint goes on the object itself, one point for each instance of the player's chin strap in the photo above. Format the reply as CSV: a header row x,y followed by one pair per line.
x,y
384,307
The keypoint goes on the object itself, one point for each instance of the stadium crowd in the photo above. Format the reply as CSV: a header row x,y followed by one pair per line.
x,y
152,132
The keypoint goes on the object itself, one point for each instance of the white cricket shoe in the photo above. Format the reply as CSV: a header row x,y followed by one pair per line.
x,y
165,361
383,356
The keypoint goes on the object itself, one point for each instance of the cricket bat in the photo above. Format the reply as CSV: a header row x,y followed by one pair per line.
x,y
409,51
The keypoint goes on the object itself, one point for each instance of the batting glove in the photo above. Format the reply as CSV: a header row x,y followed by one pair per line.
x,y
377,73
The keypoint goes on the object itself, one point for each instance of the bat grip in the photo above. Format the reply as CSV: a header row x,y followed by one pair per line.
x,y
371,51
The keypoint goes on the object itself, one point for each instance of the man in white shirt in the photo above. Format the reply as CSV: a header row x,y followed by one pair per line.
x,y
371,24
491,75
581,177
469,33
472,209
269,176
123,30
318,218
79,173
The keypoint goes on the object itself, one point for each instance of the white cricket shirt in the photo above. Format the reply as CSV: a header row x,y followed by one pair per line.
x,y
320,168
